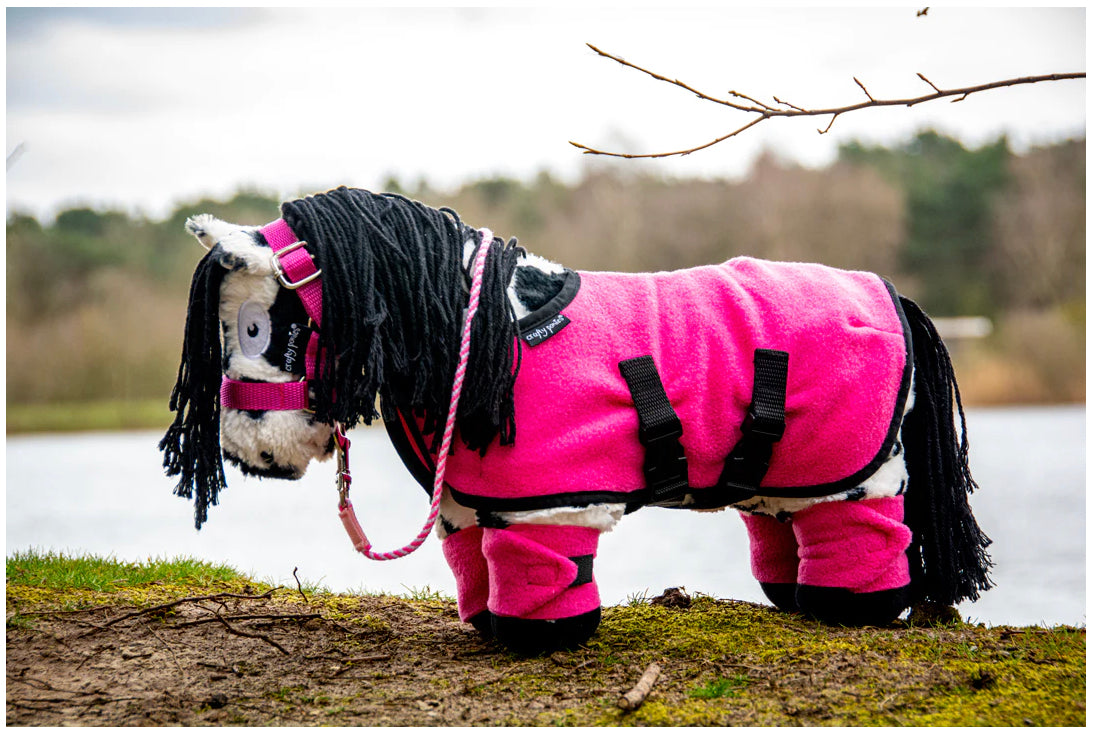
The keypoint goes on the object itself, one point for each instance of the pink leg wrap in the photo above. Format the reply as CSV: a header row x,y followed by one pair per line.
x,y
860,546
532,575
463,550
773,557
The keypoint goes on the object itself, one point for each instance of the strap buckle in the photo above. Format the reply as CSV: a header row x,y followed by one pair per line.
x,y
744,468
756,425
763,426
665,467
344,473
280,276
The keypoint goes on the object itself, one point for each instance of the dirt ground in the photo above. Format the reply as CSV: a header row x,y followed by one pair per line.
x,y
255,658
231,660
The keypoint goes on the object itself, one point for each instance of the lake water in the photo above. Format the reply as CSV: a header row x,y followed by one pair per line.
x,y
105,494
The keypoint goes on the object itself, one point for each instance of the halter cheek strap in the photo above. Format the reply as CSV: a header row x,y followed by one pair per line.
x,y
294,268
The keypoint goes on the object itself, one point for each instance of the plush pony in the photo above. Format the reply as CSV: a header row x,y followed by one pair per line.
x,y
817,402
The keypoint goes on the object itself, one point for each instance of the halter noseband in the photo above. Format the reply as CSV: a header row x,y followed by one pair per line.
x,y
294,268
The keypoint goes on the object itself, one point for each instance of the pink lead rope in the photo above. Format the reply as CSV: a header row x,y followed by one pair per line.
x,y
344,478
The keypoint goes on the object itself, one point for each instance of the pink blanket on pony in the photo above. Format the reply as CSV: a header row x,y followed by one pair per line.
x,y
577,428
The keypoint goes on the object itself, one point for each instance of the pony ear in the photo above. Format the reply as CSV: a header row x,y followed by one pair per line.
x,y
208,229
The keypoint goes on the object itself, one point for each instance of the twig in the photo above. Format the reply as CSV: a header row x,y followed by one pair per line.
x,y
862,85
358,659
935,88
765,112
580,666
664,79
304,598
171,604
351,663
254,635
13,157
790,106
36,683
750,98
635,696
246,617
683,152
50,703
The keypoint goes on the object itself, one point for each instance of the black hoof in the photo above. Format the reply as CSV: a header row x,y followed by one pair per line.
x,y
782,595
482,622
531,636
841,606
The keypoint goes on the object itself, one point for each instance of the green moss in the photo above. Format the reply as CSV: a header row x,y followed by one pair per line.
x,y
798,672
721,687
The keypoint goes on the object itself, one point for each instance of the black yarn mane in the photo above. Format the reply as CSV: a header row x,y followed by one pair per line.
x,y
191,446
395,293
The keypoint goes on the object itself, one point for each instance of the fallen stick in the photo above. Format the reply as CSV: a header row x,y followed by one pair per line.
x,y
249,617
635,696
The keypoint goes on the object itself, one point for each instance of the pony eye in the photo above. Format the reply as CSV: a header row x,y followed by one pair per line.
x,y
254,329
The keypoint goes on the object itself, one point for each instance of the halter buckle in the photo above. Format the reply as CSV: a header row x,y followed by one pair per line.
x,y
280,276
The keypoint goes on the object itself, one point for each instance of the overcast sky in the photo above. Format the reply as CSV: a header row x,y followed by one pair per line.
x,y
140,109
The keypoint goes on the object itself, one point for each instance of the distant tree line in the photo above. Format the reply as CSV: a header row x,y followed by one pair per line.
x,y
95,299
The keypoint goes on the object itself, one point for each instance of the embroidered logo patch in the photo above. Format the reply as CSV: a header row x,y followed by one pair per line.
x,y
291,353
537,335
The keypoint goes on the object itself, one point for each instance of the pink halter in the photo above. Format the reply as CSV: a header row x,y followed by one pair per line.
x,y
294,268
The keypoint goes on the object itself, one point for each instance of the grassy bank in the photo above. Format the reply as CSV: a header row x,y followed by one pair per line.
x,y
178,642
86,417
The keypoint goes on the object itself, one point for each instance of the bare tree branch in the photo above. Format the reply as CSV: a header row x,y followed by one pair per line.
x,y
764,111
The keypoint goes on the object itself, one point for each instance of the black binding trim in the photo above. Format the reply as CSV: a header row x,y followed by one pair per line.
x,y
406,450
476,502
556,304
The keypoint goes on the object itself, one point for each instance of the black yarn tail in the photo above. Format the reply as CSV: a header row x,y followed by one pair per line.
x,y
948,554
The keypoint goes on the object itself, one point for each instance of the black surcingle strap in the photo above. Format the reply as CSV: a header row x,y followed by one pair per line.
x,y
191,446
746,465
664,465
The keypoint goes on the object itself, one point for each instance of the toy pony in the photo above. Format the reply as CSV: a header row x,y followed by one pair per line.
x,y
817,402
